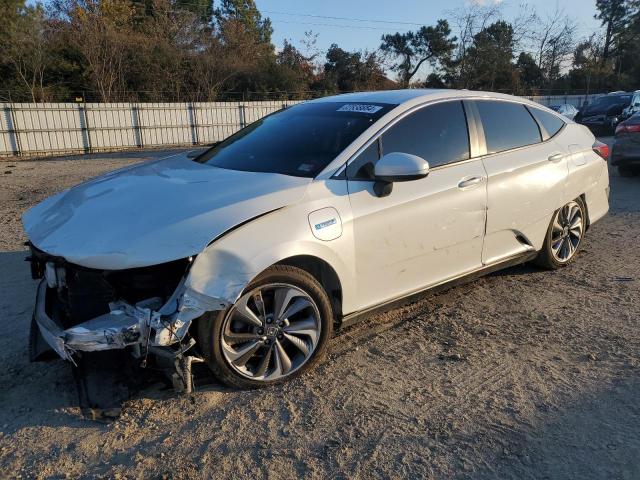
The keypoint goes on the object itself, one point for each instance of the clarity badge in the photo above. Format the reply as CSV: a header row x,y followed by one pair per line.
x,y
325,224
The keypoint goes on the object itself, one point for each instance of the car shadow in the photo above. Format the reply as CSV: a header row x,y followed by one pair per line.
x,y
524,269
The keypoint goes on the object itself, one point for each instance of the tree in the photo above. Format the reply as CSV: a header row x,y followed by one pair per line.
x,y
587,65
553,39
529,72
489,65
245,15
24,46
470,19
412,49
295,70
614,15
351,71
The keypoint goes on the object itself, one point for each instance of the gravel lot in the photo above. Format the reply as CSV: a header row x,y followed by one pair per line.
x,y
522,374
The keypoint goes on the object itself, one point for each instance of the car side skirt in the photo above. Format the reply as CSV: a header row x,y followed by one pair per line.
x,y
355,317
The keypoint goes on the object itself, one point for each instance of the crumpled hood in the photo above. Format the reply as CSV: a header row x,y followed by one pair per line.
x,y
153,213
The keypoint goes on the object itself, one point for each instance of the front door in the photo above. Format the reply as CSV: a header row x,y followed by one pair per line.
x,y
428,230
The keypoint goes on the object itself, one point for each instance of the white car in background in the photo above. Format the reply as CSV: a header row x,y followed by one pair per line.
x,y
634,106
250,254
566,110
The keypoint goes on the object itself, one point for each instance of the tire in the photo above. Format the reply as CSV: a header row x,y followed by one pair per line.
x,y
272,339
627,171
552,252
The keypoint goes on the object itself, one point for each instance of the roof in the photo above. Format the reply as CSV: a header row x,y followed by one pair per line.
x,y
384,96
415,96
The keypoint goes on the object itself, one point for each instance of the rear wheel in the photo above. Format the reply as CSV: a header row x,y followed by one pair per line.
x,y
277,329
564,236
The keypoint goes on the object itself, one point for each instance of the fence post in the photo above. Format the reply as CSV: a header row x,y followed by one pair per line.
x,y
86,130
242,112
193,124
14,130
137,125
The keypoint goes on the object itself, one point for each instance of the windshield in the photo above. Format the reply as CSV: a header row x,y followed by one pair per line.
x,y
300,141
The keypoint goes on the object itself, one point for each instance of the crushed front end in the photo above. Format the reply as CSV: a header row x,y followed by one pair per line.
x,y
145,310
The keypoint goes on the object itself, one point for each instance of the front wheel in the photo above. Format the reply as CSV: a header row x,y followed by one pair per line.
x,y
564,236
278,328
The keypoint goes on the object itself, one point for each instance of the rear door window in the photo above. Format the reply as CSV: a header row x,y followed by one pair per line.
x,y
551,124
507,125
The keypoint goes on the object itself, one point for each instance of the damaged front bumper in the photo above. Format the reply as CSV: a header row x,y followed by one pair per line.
x,y
145,324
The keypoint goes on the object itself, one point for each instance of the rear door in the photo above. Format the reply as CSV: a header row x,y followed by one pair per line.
x,y
527,171
426,230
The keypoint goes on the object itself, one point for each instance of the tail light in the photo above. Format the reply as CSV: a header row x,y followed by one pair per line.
x,y
628,128
601,149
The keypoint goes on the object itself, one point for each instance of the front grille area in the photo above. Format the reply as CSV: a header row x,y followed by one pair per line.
x,y
88,291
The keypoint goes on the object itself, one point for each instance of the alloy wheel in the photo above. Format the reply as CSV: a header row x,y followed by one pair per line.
x,y
270,332
567,231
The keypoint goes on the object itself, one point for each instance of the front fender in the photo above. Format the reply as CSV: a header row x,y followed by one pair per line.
x,y
223,270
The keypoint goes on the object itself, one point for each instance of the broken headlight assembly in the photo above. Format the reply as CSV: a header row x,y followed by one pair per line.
x,y
80,309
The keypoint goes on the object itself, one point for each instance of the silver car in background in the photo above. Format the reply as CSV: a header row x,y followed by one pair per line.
x,y
251,254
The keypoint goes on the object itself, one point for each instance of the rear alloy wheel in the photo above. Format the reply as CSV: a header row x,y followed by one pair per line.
x,y
275,330
564,236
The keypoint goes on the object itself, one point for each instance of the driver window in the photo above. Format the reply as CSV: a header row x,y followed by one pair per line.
x,y
361,168
438,133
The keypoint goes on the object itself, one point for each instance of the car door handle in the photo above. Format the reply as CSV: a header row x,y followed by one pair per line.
x,y
556,157
470,182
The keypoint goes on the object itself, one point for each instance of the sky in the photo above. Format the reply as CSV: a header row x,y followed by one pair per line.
x,y
291,18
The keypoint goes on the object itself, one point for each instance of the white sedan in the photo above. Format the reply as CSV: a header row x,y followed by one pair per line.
x,y
250,254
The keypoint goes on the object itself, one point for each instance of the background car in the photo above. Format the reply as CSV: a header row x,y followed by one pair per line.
x,y
626,147
566,109
634,107
603,115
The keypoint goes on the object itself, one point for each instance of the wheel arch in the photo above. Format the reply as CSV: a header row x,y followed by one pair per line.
x,y
220,275
583,197
326,276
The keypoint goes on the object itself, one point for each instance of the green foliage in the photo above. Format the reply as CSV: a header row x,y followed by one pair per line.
x,y
433,44
529,71
350,71
181,50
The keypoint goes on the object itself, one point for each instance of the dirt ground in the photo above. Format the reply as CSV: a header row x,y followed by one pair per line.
x,y
522,374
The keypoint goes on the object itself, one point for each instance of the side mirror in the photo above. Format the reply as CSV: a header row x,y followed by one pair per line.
x,y
397,167
194,153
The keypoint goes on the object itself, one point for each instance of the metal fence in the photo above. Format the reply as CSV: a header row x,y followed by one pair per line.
x,y
575,100
33,129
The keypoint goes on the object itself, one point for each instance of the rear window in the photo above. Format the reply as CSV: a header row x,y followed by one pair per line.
x,y
507,125
551,124
300,141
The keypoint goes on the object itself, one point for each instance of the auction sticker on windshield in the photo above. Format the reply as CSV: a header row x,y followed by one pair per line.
x,y
359,108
